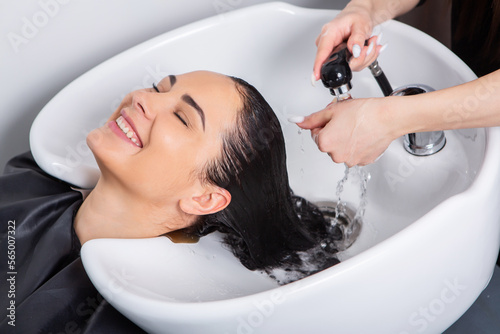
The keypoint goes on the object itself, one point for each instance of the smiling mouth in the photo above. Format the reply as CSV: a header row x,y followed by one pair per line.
x,y
128,131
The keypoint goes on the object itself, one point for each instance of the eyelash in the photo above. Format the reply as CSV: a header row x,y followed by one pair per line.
x,y
175,113
181,119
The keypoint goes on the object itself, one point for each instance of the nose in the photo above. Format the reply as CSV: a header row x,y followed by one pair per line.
x,y
142,103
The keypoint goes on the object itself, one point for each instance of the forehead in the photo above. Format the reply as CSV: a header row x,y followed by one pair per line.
x,y
215,93
204,83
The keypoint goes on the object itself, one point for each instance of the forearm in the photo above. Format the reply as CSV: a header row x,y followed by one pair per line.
x,y
471,105
383,10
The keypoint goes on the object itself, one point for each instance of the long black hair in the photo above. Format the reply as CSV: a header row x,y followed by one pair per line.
x,y
265,225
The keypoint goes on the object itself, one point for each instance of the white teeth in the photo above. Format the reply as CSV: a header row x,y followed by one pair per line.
x,y
128,132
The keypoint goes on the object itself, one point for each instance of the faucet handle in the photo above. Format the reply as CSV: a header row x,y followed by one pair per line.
x,y
336,74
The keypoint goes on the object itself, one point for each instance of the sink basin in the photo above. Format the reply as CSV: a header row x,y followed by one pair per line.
x,y
430,234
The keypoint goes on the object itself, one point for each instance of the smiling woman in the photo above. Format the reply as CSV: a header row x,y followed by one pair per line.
x,y
177,129
197,152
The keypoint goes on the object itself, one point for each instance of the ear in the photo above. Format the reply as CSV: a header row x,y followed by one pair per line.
x,y
213,201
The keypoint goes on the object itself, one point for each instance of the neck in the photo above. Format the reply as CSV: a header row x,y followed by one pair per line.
x,y
106,213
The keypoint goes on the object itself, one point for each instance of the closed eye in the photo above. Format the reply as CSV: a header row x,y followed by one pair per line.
x,y
181,119
177,114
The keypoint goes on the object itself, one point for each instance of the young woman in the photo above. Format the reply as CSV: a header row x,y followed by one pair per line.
x,y
197,152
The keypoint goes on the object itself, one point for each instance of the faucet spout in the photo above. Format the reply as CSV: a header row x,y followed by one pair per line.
x,y
421,143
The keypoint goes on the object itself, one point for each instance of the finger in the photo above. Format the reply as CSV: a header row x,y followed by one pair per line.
x,y
372,56
315,135
357,39
328,39
317,120
368,55
373,40
373,49
357,64
372,46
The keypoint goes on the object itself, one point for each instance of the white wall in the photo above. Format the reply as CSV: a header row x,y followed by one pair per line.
x,y
46,44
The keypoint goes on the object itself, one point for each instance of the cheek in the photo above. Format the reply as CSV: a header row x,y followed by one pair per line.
x,y
172,163
174,144
127,100
164,168
157,179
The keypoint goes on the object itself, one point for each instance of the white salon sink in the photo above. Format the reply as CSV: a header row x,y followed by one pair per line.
x,y
430,236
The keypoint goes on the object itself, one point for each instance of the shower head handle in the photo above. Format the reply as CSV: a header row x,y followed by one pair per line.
x,y
336,74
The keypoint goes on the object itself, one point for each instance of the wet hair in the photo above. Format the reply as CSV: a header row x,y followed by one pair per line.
x,y
265,225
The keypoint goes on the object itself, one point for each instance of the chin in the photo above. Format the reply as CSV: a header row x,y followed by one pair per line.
x,y
95,138
95,141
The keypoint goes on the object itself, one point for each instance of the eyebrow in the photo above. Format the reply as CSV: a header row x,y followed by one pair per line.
x,y
173,80
189,100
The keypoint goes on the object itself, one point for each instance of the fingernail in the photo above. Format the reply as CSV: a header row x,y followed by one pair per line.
x,y
379,38
370,49
383,48
315,138
356,50
313,80
296,119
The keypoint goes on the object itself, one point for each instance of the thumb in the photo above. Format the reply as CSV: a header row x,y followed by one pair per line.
x,y
326,42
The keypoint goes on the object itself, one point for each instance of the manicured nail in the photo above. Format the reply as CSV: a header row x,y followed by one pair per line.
x,y
296,119
379,38
315,138
356,50
313,80
383,48
370,49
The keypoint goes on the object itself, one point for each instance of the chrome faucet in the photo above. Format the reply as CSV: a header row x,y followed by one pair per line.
x,y
420,143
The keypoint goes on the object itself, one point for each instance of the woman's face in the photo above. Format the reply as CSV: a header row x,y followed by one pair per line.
x,y
159,139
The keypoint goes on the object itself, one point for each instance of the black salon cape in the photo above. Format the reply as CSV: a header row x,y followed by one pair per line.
x,y
44,275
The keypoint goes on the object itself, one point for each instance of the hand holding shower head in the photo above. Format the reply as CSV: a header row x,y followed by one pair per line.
x,y
336,73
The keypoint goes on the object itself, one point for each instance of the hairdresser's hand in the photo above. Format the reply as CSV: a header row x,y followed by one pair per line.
x,y
354,24
354,132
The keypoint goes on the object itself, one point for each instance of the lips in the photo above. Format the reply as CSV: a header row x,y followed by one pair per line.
x,y
129,131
